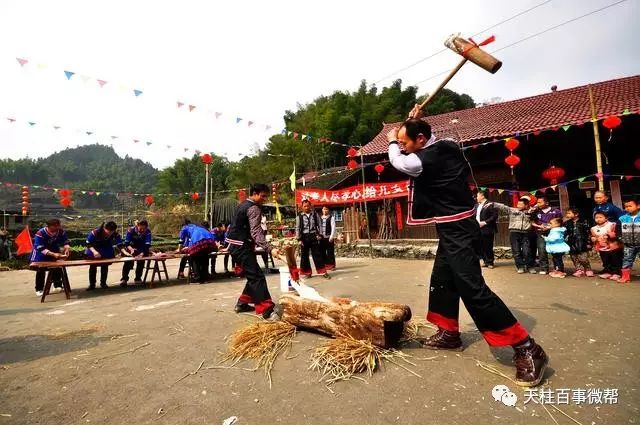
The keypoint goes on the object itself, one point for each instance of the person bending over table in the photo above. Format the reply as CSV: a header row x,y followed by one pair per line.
x,y
200,244
47,244
137,243
101,244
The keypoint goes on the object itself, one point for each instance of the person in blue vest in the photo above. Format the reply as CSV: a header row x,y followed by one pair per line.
x,y
184,260
101,245
197,242
439,193
628,231
137,243
603,205
50,244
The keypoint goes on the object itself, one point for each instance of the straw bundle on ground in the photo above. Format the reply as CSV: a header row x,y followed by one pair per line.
x,y
342,358
262,341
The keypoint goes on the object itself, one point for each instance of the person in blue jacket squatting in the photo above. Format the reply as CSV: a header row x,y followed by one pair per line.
x,y
101,244
197,242
137,243
439,193
46,247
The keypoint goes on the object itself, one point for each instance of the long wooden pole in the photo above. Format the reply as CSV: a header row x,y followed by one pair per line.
x,y
453,72
206,191
596,139
366,210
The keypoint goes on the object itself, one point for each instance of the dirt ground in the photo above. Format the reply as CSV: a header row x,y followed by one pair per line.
x,y
114,356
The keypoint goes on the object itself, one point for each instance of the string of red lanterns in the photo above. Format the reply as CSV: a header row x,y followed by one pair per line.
x,y
512,160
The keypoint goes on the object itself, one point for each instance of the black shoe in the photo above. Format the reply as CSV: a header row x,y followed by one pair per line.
x,y
91,287
243,308
443,340
273,313
104,286
137,280
123,283
531,362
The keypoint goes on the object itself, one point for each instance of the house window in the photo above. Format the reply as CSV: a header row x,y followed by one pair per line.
x,y
338,214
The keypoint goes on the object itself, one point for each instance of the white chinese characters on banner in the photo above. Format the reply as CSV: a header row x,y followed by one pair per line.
x,y
370,192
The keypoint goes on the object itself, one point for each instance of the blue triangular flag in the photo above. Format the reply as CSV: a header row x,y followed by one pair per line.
x,y
69,74
238,120
137,92
284,131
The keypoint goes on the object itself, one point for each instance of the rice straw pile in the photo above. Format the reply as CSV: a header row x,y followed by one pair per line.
x,y
342,358
263,341
412,330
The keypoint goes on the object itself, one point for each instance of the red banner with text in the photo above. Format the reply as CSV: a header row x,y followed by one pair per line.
x,y
370,192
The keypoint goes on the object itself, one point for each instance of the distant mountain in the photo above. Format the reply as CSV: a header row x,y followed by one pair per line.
x,y
91,168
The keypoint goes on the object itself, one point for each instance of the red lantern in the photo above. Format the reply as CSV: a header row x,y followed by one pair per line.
x,y
207,158
242,195
512,160
637,164
65,202
511,144
612,122
149,200
195,196
65,193
379,169
352,164
553,174
352,152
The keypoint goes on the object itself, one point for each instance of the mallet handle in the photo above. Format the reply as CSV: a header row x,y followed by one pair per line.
x,y
453,72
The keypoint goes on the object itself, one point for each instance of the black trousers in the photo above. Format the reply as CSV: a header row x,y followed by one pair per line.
x,y
328,250
311,243
533,249
93,272
226,262
612,261
521,249
183,263
255,290
486,248
199,263
128,266
457,275
558,263
56,276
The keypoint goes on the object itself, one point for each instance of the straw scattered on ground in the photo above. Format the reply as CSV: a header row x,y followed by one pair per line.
x,y
261,341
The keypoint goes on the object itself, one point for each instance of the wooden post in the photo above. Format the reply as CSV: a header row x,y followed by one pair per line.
x,y
616,194
366,211
564,198
596,138
206,191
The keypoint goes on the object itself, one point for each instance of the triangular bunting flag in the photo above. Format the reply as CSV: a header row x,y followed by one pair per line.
x,y
537,132
566,127
238,120
627,178
295,135
289,133
268,127
89,133
500,191
56,127
148,143
11,120
114,137
218,114
186,149
533,192
168,146
101,82
84,192
22,61
84,78
626,112
192,107
31,123
136,140
69,74
483,188
180,104
137,92
303,136
555,129
581,179
491,190
249,124
98,193
599,175
554,187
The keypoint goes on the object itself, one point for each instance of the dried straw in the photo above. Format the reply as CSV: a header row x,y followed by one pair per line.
x,y
341,359
412,330
263,341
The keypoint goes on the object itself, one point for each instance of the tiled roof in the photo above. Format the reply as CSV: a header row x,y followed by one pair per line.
x,y
545,111
327,178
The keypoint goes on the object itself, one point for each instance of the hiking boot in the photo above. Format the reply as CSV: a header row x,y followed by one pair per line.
x,y
443,340
626,276
242,308
531,362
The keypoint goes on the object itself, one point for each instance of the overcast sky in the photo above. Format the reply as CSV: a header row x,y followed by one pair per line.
x,y
256,59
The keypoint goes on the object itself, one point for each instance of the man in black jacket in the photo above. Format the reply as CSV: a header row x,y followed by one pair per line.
x,y
487,217
439,193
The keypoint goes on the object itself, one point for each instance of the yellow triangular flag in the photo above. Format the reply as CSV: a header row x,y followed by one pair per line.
x,y
292,179
278,214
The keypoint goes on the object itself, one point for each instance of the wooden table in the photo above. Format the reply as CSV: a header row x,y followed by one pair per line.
x,y
159,266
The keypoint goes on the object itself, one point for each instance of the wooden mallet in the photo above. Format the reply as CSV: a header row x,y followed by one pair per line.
x,y
470,51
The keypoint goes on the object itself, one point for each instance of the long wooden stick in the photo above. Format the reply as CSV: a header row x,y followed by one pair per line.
x,y
453,72
596,139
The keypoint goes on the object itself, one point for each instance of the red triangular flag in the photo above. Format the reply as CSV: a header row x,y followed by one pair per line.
x,y
536,133
179,104
102,83
250,123
191,108
23,240
11,120
22,61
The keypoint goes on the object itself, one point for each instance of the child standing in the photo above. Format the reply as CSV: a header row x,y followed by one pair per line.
x,y
579,242
629,232
556,246
603,235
